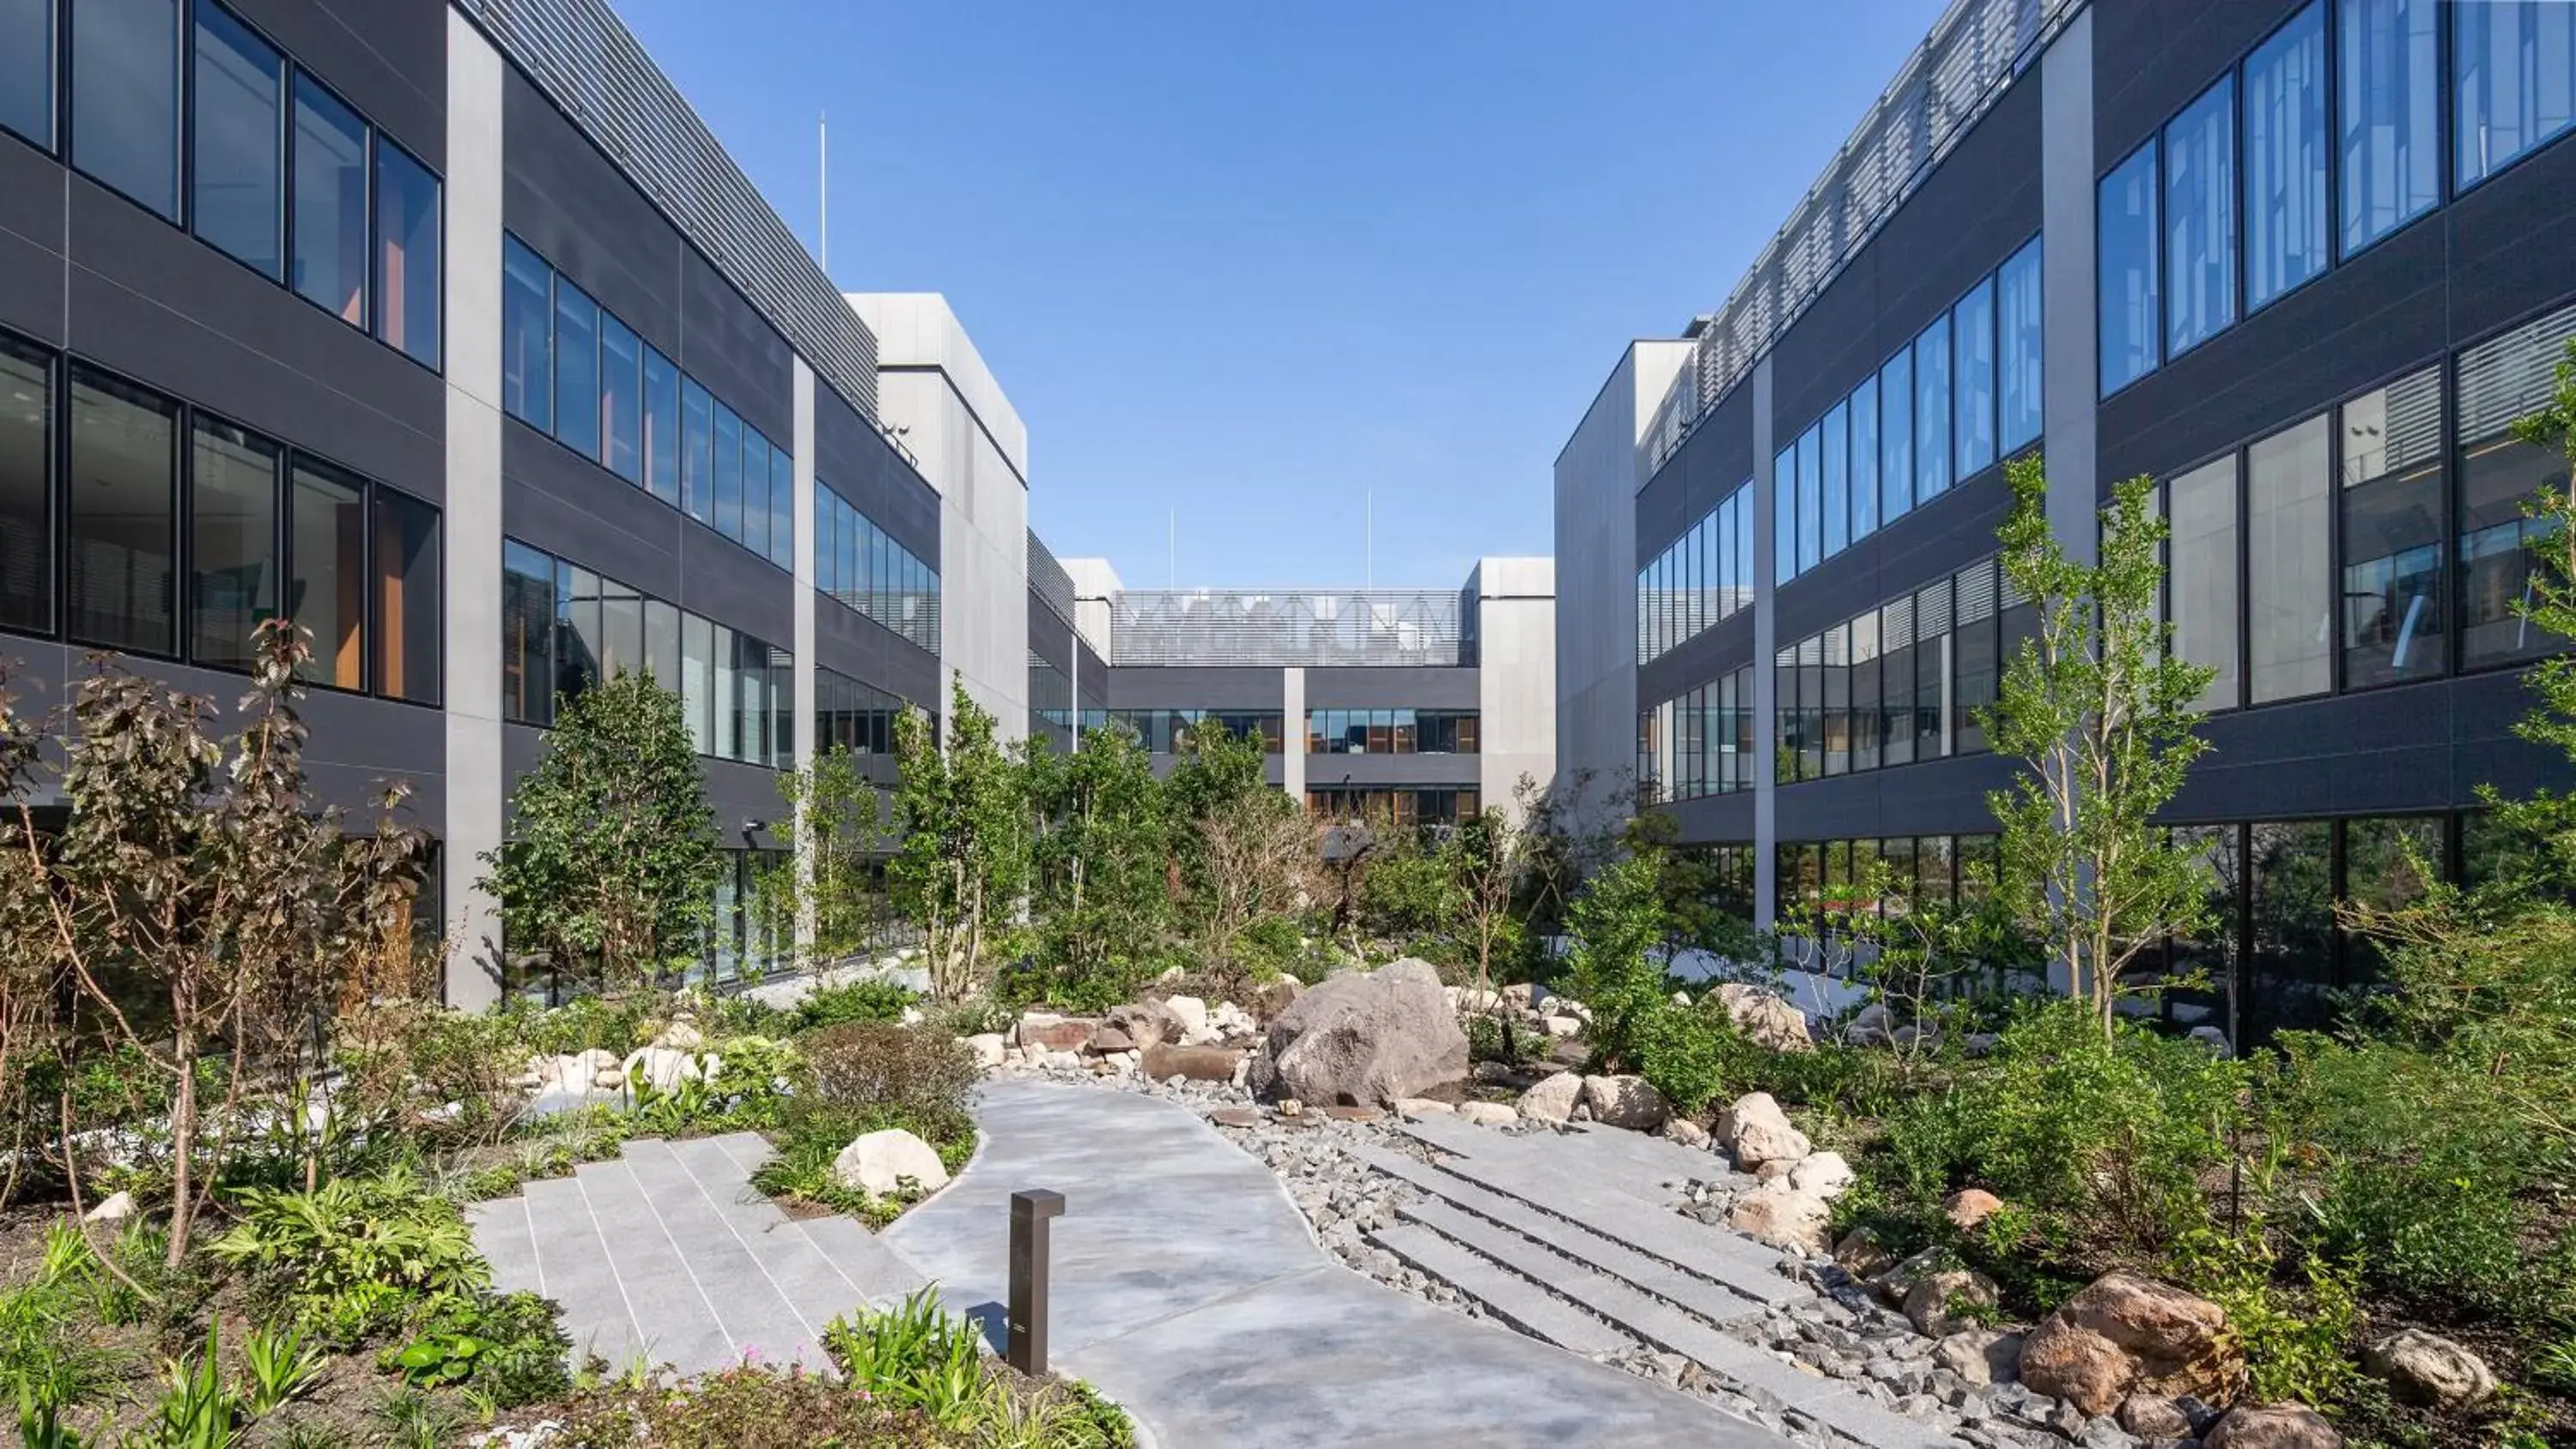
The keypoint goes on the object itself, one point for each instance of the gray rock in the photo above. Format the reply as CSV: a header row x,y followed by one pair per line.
x,y
1553,1100
2426,1368
1980,1355
1627,1102
1364,1039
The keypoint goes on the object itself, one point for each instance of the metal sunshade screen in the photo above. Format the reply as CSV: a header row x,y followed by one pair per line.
x,y
1054,587
585,60
2505,377
1953,78
1283,627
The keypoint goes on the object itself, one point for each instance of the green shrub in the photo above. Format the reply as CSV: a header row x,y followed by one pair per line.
x,y
1485,1041
855,1001
1693,1057
509,1346
2297,1343
2104,1143
354,1258
914,1356
919,1075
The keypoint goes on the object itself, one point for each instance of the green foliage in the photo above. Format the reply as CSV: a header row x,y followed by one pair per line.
x,y
833,882
282,1367
1692,1055
865,1000
2102,1142
611,860
1102,853
920,1074
914,1356
1616,925
1409,890
2098,708
354,1258
1488,1041
51,1359
963,814
198,1410
508,1346
2297,1343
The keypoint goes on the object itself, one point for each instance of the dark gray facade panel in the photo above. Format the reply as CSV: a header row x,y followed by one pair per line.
x,y
725,345
1390,688
1201,687
850,643
387,59
1091,690
581,213
556,500
1716,457
853,459
1716,819
154,303
1722,647
2151,57
1938,797
32,198
722,580
2513,243
1442,772
2416,747
1050,638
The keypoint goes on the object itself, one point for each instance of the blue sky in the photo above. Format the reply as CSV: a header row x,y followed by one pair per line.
x,y
1243,264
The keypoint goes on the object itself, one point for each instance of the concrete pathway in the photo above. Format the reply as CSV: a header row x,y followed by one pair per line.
x,y
1189,1289
666,1256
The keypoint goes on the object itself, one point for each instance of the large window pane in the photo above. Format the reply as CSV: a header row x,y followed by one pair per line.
x,y
698,451
1866,724
2388,99
662,429
2498,477
2289,609
2125,235
1896,689
2393,625
326,543
527,634
406,254
26,488
2285,158
1932,671
1837,466
2017,349
232,521
527,336
2293,919
2202,579
1932,411
2200,219
580,636
1973,656
2387,865
1864,459
1896,436
1784,515
1811,498
728,473
330,202
782,508
726,696
621,630
1836,725
697,680
755,491
1972,327
240,187
122,516
576,369
621,399
662,643
407,595
2514,71
125,97
27,69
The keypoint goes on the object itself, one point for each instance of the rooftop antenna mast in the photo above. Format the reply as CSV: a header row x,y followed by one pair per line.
x,y
823,184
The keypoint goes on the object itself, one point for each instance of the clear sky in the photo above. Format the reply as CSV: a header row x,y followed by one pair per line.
x,y
1245,263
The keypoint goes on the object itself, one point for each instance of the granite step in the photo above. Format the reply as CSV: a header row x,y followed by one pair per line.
x,y
1505,1294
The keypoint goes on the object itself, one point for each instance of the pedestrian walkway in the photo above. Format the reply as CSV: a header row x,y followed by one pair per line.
x,y
1189,1289
666,1256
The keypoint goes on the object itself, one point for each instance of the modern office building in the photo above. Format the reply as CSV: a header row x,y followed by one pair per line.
x,y
2300,261
448,330
1417,705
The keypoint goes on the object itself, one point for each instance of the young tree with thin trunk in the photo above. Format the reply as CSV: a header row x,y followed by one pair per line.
x,y
1490,855
1258,853
611,861
2101,716
964,817
830,883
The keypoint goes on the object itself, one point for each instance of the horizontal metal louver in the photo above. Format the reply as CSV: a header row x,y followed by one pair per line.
x,y
1047,578
1896,622
1976,591
583,58
1931,611
2506,377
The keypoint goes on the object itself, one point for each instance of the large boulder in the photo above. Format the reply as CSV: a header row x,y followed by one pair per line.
x,y
2126,1334
988,1048
880,1163
1364,1039
1148,1023
1940,1304
1822,1174
2426,1368
1192,1013
1765,1018
1870,1026
1784,1217
1980,1355
2283,1426
1553,1099
1191,1063
1755,1131
1044,1031
1629,1102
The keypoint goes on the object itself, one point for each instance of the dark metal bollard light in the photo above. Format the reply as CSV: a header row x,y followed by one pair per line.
x,y
1027,1324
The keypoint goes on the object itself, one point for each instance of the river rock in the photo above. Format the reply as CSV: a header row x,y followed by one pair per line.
x,y
1782,1216
1364,1039
1487,1114
1821,1174
2426,1368
1980,1355
1191,1063
2283,1426
1765,1018
1969,1206
1755,1131
1553,1099
1934,1305
1628,1102
987,1047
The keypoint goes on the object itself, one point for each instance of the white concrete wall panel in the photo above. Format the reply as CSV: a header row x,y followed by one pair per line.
x,y
1516,675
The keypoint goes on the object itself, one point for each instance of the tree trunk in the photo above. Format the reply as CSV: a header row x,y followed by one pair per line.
x,y
183,1141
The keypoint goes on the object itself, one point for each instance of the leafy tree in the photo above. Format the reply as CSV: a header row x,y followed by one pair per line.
x,y
1487,860
1256,854
611,861
832,882
1218,776
2547,820
1101,852
2100,713
1616,925
1686,884
964,816
208,872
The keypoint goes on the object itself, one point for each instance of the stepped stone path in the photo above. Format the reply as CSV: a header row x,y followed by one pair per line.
x,y
1567,1235
666,1255
1189,1288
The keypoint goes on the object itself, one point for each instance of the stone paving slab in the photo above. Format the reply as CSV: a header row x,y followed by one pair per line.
x,y
1505,1294
1187,1286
